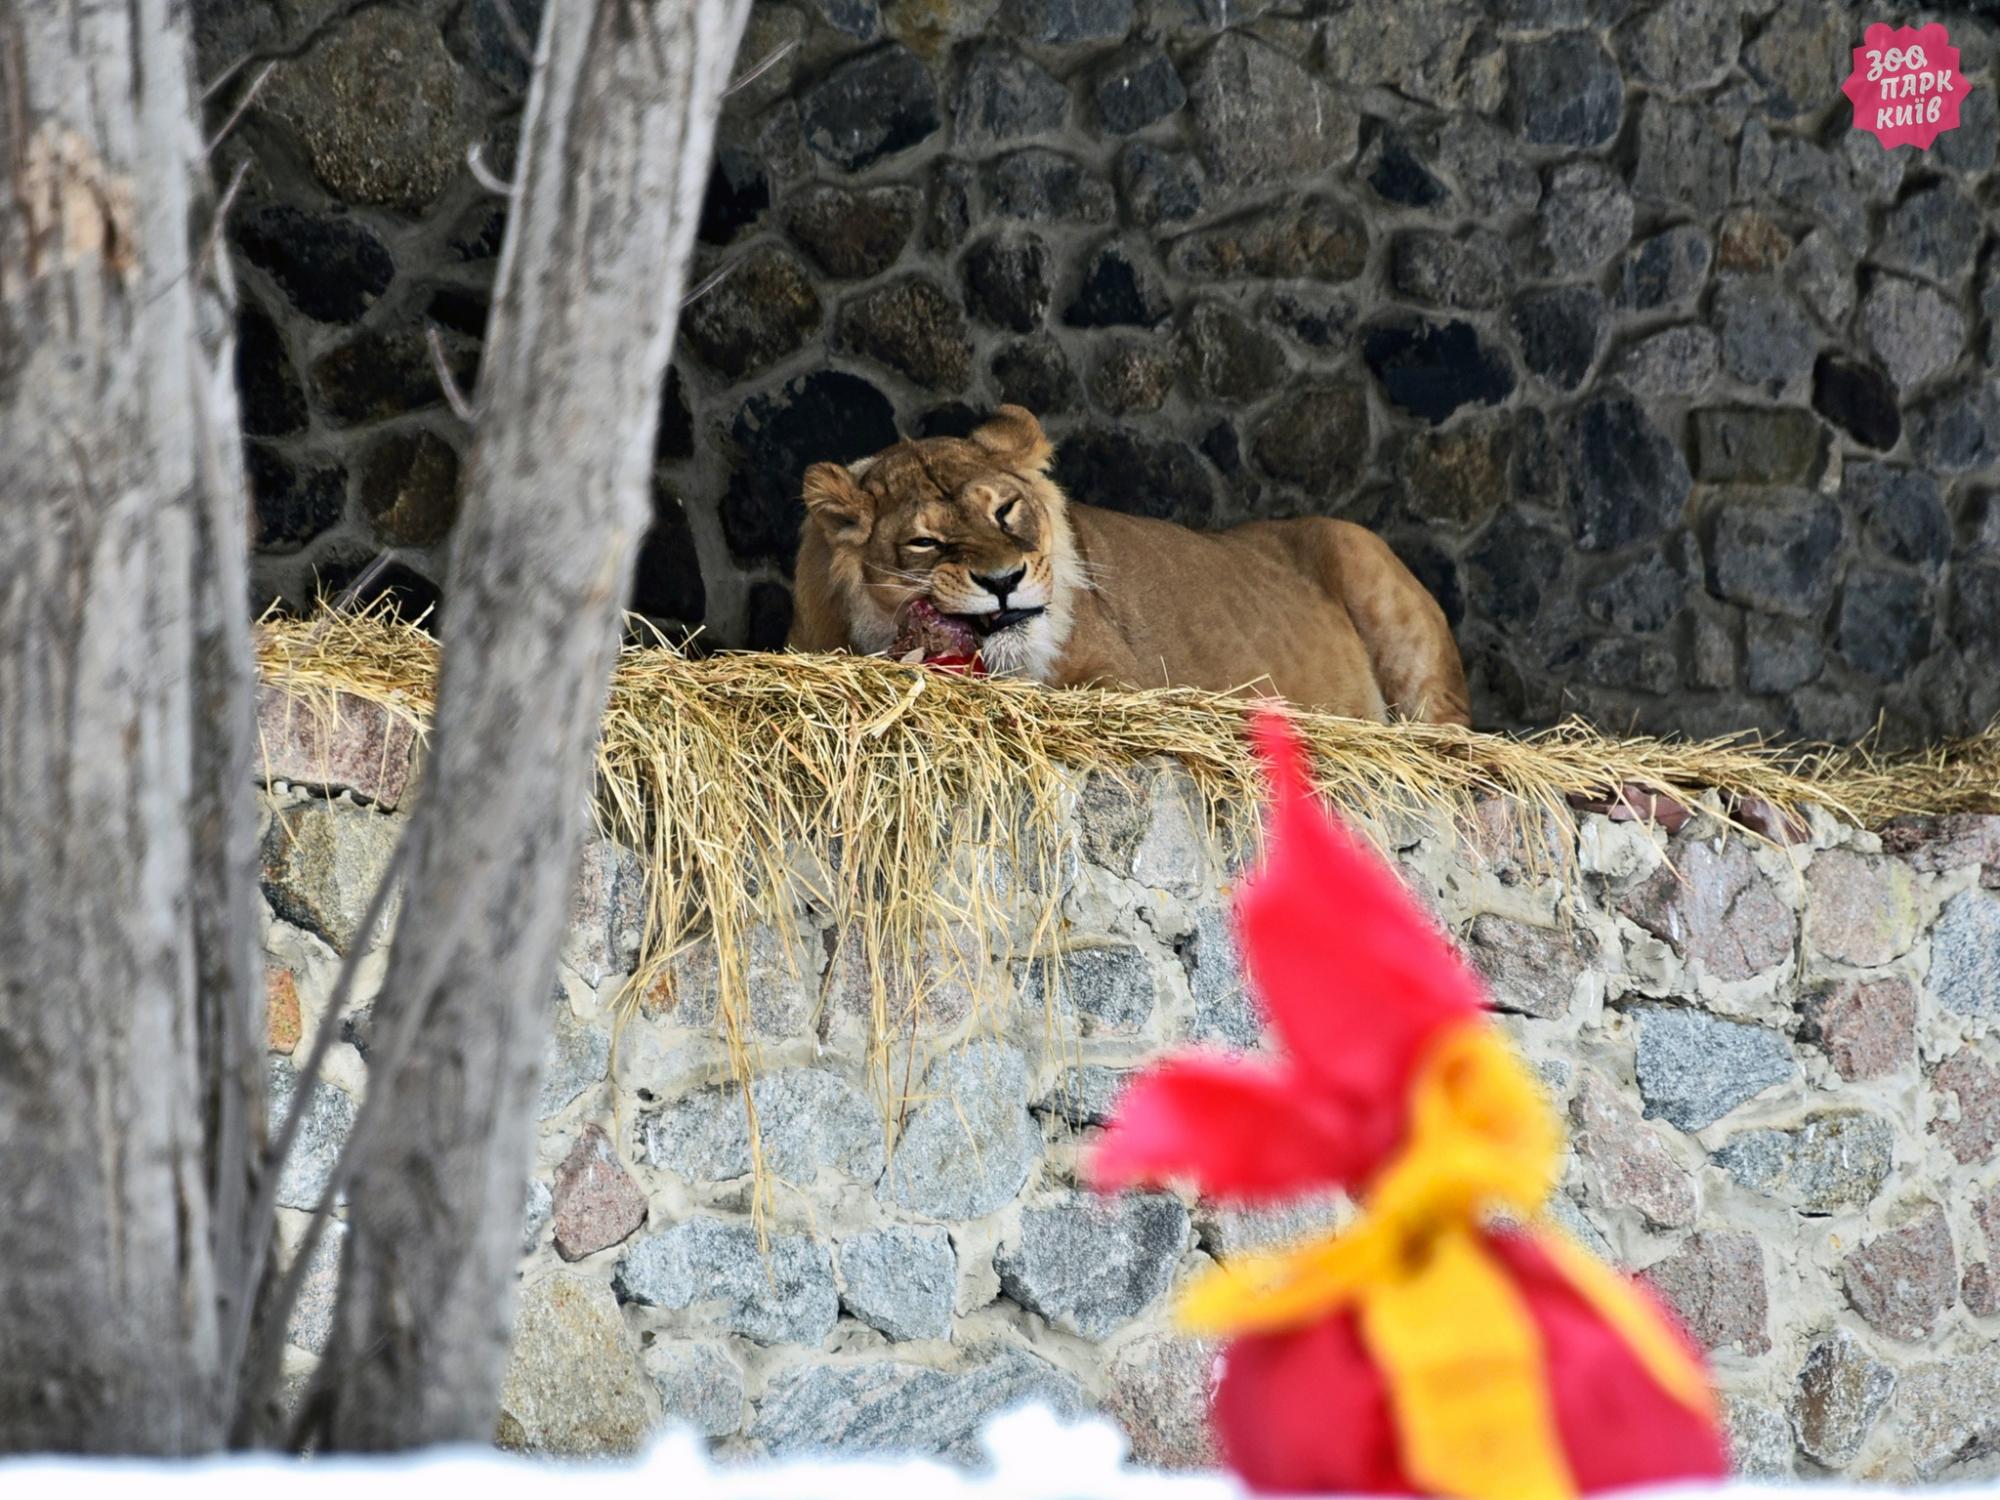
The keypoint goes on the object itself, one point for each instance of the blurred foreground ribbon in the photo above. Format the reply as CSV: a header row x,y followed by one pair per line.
x,y
1461,1356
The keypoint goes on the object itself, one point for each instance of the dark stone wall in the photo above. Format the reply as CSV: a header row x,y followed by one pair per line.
x,y
1683,396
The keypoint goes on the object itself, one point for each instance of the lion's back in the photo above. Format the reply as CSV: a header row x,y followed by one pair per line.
x,y
1224,610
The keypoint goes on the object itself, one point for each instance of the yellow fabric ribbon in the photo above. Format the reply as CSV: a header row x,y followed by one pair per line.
x,y
1458,1348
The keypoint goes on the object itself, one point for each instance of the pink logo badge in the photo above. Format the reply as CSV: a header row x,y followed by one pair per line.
x,y
1906,86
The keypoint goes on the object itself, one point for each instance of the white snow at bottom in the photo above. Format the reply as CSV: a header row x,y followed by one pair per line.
x,y
1034,1456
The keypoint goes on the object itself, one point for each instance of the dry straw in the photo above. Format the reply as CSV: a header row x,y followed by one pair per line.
x,y
924,812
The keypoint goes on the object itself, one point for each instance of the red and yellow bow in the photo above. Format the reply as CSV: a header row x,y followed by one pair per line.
x,y
1455,1339
1451,1340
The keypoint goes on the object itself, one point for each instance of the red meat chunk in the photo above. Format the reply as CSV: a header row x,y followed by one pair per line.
x,y
926,634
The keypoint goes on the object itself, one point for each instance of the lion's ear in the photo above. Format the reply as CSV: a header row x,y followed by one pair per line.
x,y
840,507
1013,436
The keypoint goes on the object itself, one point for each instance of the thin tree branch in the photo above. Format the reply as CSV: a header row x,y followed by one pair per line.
x,y
453,396
710,282
771,60
352,592
484,175
242,107
199,264
222,208
215,85
261,1379
305,1080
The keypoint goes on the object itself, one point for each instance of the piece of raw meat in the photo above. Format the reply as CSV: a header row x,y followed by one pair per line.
x,y
927,635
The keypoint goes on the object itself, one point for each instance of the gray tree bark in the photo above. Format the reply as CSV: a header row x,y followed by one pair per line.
x,y
615,150
129,1029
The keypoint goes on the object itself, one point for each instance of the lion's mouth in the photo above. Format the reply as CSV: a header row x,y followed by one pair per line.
x,y
999,620
926,633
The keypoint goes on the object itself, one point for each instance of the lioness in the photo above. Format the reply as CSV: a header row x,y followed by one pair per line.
x,y
1317,611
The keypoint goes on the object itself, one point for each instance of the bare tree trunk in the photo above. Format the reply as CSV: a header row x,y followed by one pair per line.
x,y
615,150
128,1099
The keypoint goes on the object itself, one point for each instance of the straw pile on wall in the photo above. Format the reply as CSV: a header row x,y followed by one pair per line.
x,y
751,781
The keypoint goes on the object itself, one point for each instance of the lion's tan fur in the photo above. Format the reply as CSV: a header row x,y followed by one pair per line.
x,y
1317,611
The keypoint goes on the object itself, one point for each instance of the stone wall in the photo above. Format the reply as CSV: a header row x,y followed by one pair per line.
x,y
1680,393
1779,1070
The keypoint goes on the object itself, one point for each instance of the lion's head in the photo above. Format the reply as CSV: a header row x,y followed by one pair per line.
x,y
973,524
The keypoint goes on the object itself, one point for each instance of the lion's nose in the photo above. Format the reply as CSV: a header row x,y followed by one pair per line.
x,y
1000,585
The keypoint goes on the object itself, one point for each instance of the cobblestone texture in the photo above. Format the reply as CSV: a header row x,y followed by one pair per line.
x,y
1799,1158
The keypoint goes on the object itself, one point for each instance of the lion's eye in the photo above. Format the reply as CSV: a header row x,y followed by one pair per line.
x,y
924,543
1000,515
